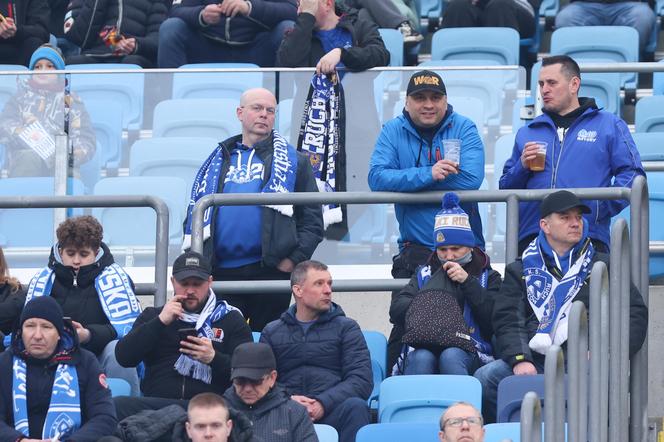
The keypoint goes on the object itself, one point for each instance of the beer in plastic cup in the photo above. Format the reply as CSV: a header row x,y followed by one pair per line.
x,y
452,150
537,164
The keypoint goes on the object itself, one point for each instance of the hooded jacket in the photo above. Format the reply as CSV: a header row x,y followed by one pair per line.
x,y
597,151
402,161
275,417
329,363
97,409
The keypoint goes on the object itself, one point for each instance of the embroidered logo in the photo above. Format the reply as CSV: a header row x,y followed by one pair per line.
x,y
587,135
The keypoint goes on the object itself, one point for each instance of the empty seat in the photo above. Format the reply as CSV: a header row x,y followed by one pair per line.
x,y
215,84
423,398
658,81
118,387
326,433
393,39
106,118
196,117
510,395
502,151
649,114
377,344
650,145
8,82
399,432
503,431
493,46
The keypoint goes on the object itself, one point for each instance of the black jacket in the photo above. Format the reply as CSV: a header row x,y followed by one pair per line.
x,y
11,305
301,48
295,237
139,19
158,346
79,299
515,322
97,409
31,18
275,418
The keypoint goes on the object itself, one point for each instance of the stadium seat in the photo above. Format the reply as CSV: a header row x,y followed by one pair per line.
x,y
170,156
215,84
656,192
510,395
256,336
502,152
659,8
431,10
599,43
106,118
125,89
8,82
393,40
137,226
423,398
658,81
377,344
504,431
650,145
649,114
549,8
284,119
118,387
326,433
399,432
30,227
493,46
196,117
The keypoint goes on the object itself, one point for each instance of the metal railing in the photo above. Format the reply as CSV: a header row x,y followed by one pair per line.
x,y
554,393
577,366
599,355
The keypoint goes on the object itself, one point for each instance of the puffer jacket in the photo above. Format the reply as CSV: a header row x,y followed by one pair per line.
x,y
11,305
330,363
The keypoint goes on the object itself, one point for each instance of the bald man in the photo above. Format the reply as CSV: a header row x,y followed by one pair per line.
x,y
257,242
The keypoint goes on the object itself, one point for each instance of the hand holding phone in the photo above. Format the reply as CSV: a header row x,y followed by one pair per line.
x,y
184,333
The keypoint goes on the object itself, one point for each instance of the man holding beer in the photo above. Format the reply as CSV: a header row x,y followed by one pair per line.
x,y
572,144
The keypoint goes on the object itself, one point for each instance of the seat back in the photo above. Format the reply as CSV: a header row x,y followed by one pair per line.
x,y
106,117
399,432
8,82
423,398
510,395
118,387
504,431
658,81
215,84
649,114
649,145
393,40
549,8
498,46
326,433
377,344
502,152
196,117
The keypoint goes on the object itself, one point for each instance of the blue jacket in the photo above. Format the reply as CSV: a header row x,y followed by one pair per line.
x,y
330,363
394,168
597,151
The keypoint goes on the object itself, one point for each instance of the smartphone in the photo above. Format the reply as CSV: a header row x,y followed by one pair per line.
x,y
184,333
66,318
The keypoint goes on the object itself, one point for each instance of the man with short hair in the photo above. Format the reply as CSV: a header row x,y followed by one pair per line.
x,y
532,308
322,357
208,419
257,242
461,422
275,416
587,147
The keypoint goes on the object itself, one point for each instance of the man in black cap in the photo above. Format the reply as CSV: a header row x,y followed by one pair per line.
x,y
413,154
532,308
186,345
275,416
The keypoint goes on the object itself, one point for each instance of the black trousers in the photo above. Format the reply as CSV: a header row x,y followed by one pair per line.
x,y
494,13
127,59
18,52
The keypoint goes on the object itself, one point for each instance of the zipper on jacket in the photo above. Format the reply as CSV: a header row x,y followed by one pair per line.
x,y
75,280
87,34
184,379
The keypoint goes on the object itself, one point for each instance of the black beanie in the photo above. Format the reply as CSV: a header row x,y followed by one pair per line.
x,y
44,307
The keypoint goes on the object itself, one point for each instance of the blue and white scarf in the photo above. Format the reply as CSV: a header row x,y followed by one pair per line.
x,y
322,139
550,297
64,411
206,182
212,312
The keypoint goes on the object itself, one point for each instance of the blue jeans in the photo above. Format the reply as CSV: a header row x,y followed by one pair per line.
x,y
490,376
113,369
347,418
181,44
452,360
637,15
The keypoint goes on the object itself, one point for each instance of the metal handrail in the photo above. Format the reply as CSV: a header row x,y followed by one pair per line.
x,y
531,418
554,392
577,364
599,353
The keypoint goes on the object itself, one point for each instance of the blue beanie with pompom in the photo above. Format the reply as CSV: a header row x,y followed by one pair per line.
x,y
451,225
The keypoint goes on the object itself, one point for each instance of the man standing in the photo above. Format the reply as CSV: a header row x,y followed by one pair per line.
x,y
254,242
585,147
554,270
186,345
322,357
274,415
461,422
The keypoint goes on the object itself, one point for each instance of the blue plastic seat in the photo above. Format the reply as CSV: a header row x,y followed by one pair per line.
x,y
588,43
658,81
399,432
256,336
650,145
393,40
510,395
549,8
503,431
502,151
377,344
125,89
649,114
326,433
431,9
423,398
284,118
171,156
494,46
215,84
196,117
8,82
118,387
106,118
137,226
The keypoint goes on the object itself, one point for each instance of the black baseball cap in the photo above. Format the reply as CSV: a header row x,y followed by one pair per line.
x,y
252,360
561,201
191,264
426,81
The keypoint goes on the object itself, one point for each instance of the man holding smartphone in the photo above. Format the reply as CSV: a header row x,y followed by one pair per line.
x,y
186,345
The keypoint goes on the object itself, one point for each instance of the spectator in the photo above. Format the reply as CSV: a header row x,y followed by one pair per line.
x,y
458,274
12,298
186,345
461,422
253,242
599,151
108,32
208,31
553,271
635,14
208,419
23,28
36,114
92,290
51,388
322,357
386,14
516,14
275,416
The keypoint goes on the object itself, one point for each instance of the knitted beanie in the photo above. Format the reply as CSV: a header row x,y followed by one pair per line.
x,y
47,308
451,225
49,53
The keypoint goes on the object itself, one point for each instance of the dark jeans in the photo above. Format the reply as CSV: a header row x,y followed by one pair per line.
x,y
126,406
18,52
181,44
258,308
347,418
496,13
597,244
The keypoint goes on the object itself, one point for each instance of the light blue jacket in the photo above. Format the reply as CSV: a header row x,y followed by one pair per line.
x,y
394,168
597,151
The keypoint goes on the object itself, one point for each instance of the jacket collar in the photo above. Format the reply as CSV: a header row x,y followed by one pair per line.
x,y
335,310
583,101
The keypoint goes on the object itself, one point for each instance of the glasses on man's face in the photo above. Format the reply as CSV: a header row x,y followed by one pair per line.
x,y
242,382
456,422
258,108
